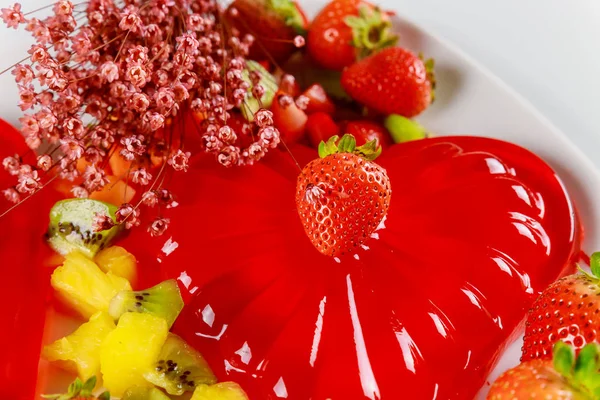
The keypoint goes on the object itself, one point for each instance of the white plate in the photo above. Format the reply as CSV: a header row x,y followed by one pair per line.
x,y
470,100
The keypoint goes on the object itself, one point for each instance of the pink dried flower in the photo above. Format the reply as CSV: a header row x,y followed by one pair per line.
x,y
141,176
94,178
102,222
129,215
12,16
302,102
44,162
11,195
150,198
109,71
179,160
80,192
28,182
158,226
299,41
12,164
132,146
263,118
23,74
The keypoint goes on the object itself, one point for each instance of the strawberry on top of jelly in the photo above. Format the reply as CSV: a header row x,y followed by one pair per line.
x,y
476,228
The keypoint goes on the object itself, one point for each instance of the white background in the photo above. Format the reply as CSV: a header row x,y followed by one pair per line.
x,y
547,50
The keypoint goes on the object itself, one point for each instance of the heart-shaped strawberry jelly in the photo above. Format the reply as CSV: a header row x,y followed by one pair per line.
x,y
476,228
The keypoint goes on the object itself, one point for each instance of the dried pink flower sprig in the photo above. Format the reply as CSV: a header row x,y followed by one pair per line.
x,y
105,76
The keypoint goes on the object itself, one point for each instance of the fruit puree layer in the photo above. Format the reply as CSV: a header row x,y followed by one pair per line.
x,y
475,230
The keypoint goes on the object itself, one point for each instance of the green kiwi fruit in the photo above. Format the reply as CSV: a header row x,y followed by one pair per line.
x,y
72,226
144,393
163,300
179,368
251,105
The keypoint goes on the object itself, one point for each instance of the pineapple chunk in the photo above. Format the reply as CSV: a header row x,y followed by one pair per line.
x,y
220,391
144,393
118,261
130,350
80,351
82,285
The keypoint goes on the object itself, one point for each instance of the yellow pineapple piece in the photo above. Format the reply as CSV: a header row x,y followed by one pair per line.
x,y
130,350
80,351
220,391
118,261
83,285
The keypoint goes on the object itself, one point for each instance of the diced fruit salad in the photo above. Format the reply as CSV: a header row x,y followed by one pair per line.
x,y
124,346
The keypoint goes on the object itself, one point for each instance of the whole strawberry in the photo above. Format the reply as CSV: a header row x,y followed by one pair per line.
x,y
343,196
563,378
391,81
347,30
568,310
364,131
273,23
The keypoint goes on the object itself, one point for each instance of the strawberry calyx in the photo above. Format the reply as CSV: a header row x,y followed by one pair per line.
x,y
371,30
404,129
347,144
581,372
429,68
594,274
288,10
79,390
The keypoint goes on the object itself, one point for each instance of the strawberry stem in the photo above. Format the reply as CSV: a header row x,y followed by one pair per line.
x,y
371,30
347,144
595,264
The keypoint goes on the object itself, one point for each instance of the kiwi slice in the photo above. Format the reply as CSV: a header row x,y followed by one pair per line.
x,y
163,300
144,393
179,368
72,226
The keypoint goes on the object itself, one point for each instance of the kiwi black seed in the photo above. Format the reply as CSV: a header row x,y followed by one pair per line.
x,y
72,226
179,368
163,300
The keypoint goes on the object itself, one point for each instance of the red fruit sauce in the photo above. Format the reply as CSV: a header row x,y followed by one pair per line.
x,y
476,228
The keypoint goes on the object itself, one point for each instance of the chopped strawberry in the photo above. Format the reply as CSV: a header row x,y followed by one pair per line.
x,y
365,131
288,118
568,310
318,100
347,30
392,81
320,127
274,25
343,196
565,377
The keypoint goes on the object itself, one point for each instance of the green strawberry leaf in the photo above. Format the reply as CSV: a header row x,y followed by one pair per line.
x,y
369,150
587,364
104,396
563,359
290,13
595,264
347,144
371,30
88,387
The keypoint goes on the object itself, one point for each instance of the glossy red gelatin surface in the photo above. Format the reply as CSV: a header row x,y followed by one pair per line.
x,y
25,280
476,228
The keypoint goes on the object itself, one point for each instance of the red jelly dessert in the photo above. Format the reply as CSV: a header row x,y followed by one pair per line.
x,y
26,279
475,230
